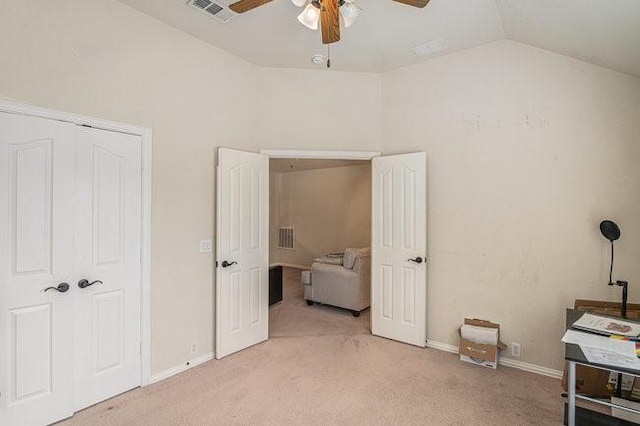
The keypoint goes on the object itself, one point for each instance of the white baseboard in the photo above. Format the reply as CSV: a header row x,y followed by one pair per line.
x,y
442,346
180,368
507,362
549,372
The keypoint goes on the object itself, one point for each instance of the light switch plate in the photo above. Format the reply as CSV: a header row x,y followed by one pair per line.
x,y
205,245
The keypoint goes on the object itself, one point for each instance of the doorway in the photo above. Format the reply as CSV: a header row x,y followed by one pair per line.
x,y
398,249
318,209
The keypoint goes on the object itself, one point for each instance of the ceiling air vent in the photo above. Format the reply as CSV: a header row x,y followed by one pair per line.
x,y
428,48
218,9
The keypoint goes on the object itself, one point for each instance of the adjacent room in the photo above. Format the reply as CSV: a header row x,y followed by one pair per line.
x,y
158,158
319,209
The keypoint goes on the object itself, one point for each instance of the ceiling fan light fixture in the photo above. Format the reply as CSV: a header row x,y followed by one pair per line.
x,y
349,11
310,17
299,3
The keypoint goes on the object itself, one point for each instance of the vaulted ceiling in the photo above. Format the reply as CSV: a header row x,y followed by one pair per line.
x,y
603,32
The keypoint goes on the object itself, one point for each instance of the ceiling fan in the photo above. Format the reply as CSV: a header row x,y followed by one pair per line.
x,y
328,11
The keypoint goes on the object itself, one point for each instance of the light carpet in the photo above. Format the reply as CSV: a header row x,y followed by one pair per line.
x,y
321,366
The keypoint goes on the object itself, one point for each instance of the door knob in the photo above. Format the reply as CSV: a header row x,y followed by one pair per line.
x,y
85,283
417,260
226,264
62,288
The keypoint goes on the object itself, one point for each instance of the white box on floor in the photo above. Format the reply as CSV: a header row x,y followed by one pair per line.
x,y
480,343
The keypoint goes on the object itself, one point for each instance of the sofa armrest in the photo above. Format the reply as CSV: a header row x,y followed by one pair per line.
x,y
362,264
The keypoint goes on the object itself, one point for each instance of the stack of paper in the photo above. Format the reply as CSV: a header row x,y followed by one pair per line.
x,y
603,350
607,326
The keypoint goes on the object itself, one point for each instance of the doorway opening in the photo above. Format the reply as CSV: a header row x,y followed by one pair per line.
x,y
397,239
319,208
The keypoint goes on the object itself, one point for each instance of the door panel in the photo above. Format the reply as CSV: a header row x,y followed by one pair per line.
x,y
36,252
108,331
398,285
31,335
108,222
108,206
242,292
30,169
408,295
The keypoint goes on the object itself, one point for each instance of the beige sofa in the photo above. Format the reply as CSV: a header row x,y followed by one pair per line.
x,y
345,285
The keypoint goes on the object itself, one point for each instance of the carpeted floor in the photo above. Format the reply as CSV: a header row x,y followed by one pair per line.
x,y
321,366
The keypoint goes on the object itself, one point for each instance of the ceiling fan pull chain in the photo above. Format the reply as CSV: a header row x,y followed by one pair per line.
x,y
328,56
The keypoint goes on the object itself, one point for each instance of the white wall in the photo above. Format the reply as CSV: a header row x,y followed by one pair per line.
x,y
330,210
104,59
527,152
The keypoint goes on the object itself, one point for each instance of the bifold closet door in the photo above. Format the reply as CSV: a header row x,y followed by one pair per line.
x,y
37,175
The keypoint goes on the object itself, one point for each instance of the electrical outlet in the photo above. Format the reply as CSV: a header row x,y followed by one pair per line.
x,y
194,348
516,350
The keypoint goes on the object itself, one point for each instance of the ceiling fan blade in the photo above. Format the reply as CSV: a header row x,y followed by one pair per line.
x,y
243,6
330,21
414,3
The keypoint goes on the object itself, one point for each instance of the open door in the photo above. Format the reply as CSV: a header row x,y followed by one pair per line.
x,y
242,255
398,243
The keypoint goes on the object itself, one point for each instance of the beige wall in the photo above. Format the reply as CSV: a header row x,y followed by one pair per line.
x,y
330,210
527,152
318,110
104,59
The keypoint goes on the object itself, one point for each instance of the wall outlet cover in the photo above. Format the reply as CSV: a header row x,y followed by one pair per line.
x,y
206,245
516,349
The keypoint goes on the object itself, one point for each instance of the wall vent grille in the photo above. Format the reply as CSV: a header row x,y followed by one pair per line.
x,y
286,238
219,9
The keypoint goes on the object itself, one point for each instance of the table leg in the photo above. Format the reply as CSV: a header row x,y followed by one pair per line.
x,y
571,385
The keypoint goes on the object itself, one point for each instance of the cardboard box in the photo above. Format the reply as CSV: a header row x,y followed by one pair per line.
x,y
607,308
593,381
479,353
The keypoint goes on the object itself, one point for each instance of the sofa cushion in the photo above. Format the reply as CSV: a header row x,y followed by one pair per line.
x,y
349,258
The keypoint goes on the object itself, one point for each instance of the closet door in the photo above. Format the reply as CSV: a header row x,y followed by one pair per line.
x,y
70,240
108,238
36,270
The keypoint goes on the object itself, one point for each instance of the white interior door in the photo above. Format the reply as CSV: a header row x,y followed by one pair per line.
x,y
242,255
108,229
70,209
36,252
398,269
